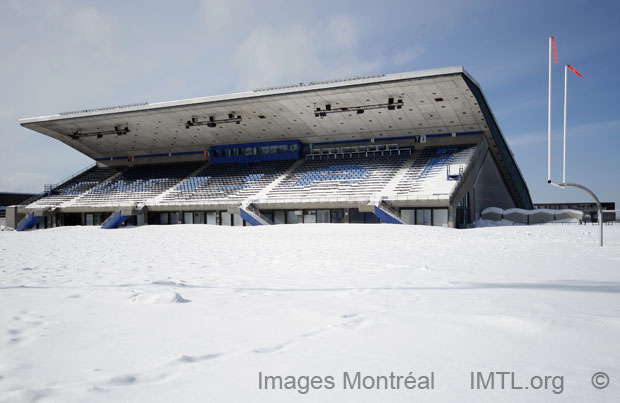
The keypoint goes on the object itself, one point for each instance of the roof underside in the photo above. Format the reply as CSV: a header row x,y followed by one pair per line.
x,y
434,101
432,104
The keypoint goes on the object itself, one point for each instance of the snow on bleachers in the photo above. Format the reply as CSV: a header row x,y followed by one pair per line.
x,y
429,175
227,182
74,187
137,184
351,177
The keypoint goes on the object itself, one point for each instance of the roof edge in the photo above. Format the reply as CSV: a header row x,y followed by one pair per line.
x,y
256,93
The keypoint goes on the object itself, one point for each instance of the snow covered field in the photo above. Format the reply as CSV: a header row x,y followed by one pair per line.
x,y
194,313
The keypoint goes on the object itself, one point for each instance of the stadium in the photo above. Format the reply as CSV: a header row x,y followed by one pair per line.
x,y
417,148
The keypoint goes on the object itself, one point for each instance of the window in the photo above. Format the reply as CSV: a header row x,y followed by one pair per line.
x,y
408,215
211,217
226,218
291,217
323,216
310,217
423,217
163,218
440,217
355,217
188,218
237,220
337,216
174,217
279,217
371,218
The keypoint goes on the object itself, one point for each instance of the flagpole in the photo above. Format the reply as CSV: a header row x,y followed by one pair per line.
x,y
549,120
564,156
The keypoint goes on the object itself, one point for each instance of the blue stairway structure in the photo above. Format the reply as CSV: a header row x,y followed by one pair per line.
x,y
386,214
28,222
115,220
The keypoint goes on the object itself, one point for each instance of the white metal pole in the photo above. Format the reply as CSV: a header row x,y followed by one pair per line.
x,y
549,119
564,154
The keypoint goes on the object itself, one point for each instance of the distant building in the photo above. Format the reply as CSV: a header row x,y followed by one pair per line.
x,y
587,208
10,199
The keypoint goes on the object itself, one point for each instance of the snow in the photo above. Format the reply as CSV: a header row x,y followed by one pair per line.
x,y
194,313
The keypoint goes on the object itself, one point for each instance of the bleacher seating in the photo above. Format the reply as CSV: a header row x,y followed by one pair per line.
x,y
227,182
429,174
344,172
74,187
137,184
352,177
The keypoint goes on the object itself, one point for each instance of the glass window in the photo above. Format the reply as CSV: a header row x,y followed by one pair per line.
x,y
283,149
291,217
294,148
423,217
163,218
322,216
440,217
226,218
408,215
89,219
211,217
355,217
279,217
337,216
310,217
188,218
174,217
199,218
237,220
371,218
139,219
268,215
264,150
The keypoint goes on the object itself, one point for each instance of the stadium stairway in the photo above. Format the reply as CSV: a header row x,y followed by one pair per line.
x,y
263,193
387,214
28,222
253,217
389,189
158,199
115,220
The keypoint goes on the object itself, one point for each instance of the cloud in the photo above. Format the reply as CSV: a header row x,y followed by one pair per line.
x,y
225,16
271,56
407,56
25,182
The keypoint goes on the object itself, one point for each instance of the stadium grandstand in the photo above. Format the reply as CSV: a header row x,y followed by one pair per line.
x,y
413,148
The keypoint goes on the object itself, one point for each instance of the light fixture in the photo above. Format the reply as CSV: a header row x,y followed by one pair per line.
x,y
390,105
118,130
212,122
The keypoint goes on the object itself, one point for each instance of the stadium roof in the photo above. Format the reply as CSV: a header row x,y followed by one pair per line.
x,y
436,101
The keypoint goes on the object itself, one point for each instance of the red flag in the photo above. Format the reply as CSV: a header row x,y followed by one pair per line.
x,y
555,50
574,71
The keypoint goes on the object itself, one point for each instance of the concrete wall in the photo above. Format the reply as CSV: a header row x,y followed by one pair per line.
x,y
489,188
13,217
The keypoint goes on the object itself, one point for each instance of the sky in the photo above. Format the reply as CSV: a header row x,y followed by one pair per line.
x,y
65,55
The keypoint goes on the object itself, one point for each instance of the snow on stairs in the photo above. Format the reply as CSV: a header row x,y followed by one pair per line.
x,y
156,200
250,213
263,193
389,189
